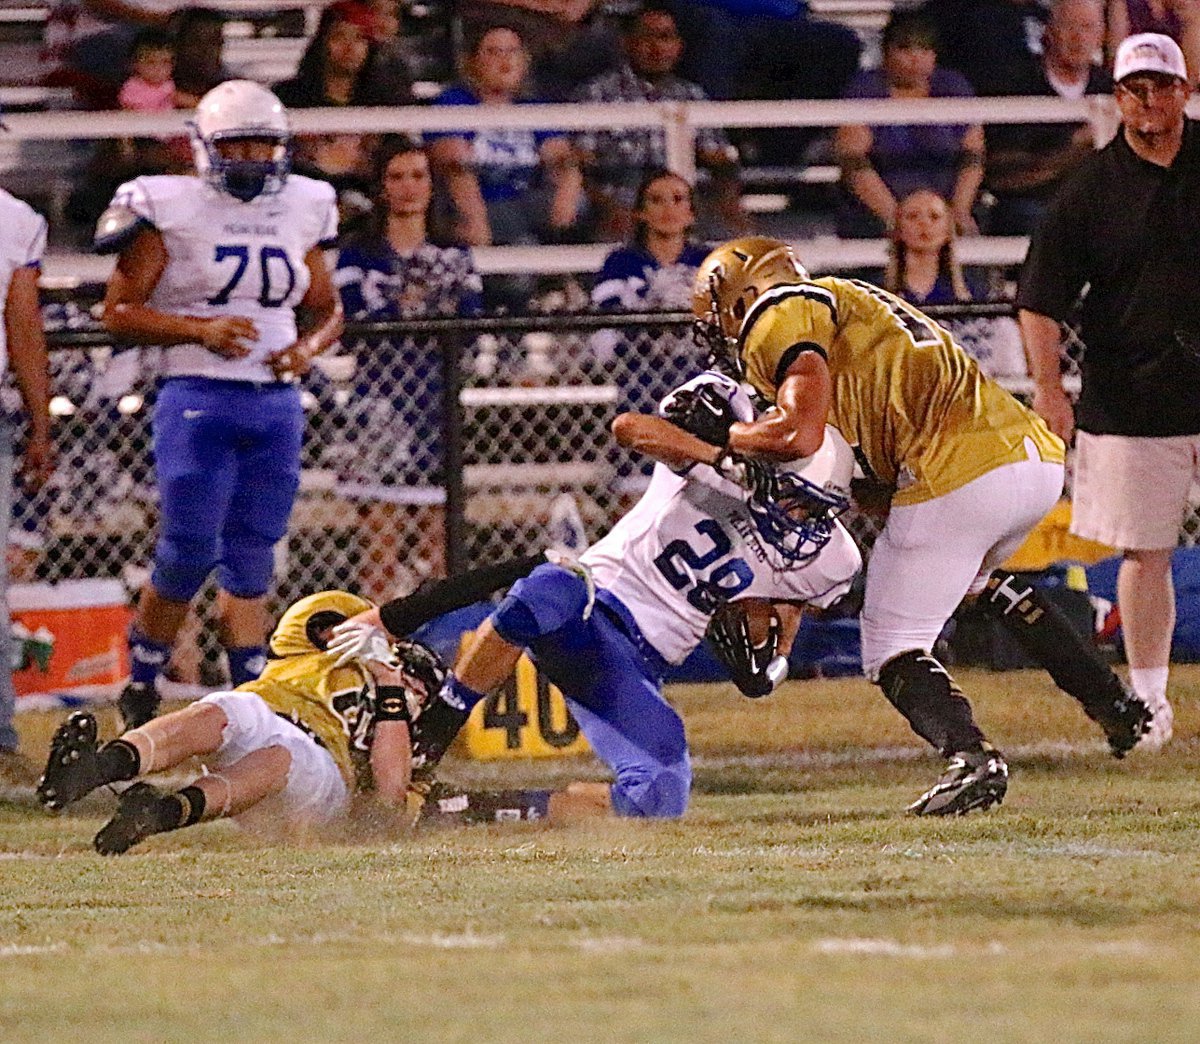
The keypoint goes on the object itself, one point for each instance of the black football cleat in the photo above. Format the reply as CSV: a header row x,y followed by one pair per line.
x,y
71,770
973,780
136,818
1125,724
138,704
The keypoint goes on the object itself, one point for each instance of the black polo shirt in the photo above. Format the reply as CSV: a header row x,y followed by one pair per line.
x,y
1129,231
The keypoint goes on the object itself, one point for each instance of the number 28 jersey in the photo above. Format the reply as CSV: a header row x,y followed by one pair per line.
x,y
920,413
229,258
690,544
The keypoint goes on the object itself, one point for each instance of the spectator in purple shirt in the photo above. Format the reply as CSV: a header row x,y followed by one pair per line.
x,y
881,165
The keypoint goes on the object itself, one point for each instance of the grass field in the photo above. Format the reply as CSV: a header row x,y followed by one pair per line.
x,y
793,903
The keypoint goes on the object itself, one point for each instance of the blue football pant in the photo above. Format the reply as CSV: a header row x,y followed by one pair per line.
x,y
227,462
613,690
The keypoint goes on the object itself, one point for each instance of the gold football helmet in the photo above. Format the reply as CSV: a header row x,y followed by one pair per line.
x,y
729,281
302,627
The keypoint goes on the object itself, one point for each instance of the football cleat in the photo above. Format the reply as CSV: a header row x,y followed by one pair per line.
x,y
1130,723
972,780
1160,727
71,770
136,818
138,704
565,527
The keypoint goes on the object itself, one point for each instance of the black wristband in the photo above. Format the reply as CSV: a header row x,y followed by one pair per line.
x,y
391,704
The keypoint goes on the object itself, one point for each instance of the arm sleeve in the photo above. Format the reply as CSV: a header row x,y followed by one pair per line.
x,y
1055,267
402,616
348,277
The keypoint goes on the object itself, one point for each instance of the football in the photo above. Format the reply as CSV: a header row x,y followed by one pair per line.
x,y
759,613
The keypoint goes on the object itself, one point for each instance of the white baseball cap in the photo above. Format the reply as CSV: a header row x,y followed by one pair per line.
x,y
1149,52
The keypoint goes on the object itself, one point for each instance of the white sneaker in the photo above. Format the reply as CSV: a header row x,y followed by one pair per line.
x,y
1161,726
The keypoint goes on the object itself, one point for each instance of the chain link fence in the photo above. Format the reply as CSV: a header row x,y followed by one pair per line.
x,y
432,445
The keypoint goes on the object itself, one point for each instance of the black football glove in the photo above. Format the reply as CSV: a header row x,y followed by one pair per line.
x,y
702,411
755,669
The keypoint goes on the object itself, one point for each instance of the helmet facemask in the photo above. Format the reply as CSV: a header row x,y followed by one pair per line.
x,y
721,352
798,521
244,179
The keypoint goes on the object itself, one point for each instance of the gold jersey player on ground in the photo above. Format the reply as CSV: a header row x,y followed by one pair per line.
x,y
969,470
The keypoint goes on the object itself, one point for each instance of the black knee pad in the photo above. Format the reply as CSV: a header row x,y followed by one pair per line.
x,y
921,689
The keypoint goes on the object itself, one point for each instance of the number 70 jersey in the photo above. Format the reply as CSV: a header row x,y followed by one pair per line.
x,y
690,544
229,258
921,415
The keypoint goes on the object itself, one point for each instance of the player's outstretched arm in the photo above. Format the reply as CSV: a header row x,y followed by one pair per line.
x,y
795,428
662,440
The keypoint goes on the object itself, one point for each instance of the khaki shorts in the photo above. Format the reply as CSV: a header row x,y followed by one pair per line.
x,y
1132,492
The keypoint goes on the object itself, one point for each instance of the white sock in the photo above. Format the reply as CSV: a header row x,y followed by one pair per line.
x,y
1150,683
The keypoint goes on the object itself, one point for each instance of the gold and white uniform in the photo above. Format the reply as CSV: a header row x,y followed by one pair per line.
x,y
309,706
923,417
972,468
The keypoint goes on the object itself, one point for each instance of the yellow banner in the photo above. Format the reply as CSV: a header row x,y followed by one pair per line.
x,y
527,718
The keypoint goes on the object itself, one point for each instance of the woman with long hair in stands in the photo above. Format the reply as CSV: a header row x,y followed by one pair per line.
x,y
922,265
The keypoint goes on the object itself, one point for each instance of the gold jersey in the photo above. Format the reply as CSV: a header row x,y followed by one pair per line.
x,y
917,409
320,698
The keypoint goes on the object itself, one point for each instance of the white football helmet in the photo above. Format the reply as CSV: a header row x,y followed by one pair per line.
x,y
240,109
798,520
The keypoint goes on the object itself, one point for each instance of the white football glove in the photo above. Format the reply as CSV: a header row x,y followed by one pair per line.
x,y
356,641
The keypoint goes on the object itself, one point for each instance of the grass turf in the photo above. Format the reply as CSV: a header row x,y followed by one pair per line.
x,y
794,902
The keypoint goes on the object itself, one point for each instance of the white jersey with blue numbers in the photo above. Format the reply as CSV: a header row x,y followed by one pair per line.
x,y
229,258
690,544
22,242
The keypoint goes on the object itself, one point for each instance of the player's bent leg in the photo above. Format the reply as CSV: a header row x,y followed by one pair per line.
x,y
144,810
1045,633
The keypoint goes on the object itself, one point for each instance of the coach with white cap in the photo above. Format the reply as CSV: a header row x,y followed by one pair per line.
x,y
1126,225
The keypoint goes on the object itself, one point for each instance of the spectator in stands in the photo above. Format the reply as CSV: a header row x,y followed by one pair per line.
x,y
1027,162
341,67
199,52
616,161
151,88
1178,19
570,41
883,164
922,266
982,38
505,186
86,44
764,49
653,273
389,271
23,351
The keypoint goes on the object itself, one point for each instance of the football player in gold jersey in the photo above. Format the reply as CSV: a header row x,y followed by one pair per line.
x,y
969,470
289,749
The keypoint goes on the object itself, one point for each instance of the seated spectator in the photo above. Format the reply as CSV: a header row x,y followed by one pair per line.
x,y
392,453
340,67
151,88
922,268
1027,162
86,44
654,272
569,41
981,38
764,49
1178,19
505,186
199,53
883,164
616,161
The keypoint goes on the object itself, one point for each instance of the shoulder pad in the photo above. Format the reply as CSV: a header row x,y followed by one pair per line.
x,y
116,229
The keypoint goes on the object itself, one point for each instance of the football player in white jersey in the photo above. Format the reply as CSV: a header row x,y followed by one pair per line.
x,y
23,351
690,545
213,268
